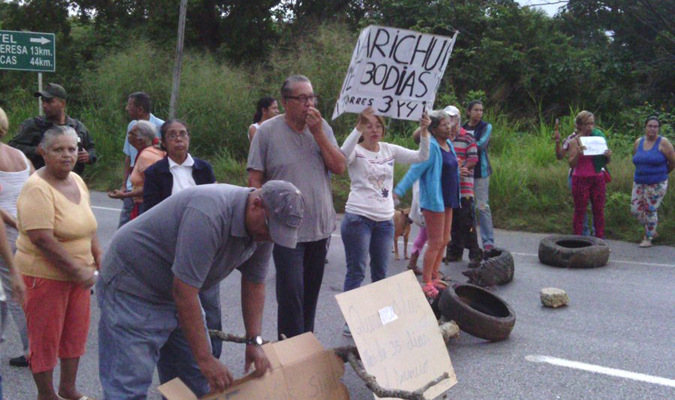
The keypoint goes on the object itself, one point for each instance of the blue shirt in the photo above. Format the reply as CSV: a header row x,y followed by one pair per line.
x,y
130,150
651,166
449,181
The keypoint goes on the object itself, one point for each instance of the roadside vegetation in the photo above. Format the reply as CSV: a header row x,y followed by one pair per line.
x,y
527,78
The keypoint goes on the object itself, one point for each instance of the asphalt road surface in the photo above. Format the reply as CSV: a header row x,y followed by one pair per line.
x,y
615,340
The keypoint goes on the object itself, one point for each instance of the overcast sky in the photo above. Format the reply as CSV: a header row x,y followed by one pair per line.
x,y
550,9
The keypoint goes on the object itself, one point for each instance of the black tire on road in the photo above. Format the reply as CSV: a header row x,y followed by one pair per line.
x,y
478,312
435,305
498,269
572,251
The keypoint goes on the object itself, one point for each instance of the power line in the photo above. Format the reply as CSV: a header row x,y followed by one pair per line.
x,y
546,4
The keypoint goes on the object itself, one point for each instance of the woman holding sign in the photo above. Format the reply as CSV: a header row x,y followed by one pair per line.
x,y
654,159
367,226
588,178
439,193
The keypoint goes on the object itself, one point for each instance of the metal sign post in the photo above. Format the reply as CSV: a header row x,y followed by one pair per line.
x,y
40,111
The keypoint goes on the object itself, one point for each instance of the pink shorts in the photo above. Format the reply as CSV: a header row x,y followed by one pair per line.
x,y
57,316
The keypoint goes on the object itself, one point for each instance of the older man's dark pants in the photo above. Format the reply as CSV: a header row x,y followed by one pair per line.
x,y
463,231
299,276
125,214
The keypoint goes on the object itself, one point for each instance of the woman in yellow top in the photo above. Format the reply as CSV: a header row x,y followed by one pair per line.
x,y
58,254
142,137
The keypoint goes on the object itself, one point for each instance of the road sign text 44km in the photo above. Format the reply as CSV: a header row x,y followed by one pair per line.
x,y
27,51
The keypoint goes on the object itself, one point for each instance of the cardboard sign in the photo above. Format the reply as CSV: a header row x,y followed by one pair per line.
x,y
397,334
395,71
301,370
595,145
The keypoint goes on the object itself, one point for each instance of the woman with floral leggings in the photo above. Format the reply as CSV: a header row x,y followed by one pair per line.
x,y
654,159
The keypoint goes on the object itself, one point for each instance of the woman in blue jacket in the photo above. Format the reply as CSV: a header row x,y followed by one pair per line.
x,y
439,192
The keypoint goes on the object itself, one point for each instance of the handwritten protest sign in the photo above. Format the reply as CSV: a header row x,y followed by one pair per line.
x,y
595,145
397,334
395,71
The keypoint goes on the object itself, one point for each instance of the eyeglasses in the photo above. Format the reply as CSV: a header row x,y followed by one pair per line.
x,y
176,135
304,99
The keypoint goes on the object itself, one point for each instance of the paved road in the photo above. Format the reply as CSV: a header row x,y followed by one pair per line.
x,y
616,340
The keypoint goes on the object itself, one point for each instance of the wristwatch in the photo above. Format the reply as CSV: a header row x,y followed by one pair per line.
x,y
255,341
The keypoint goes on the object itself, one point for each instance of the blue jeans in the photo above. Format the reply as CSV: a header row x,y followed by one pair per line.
x,y
9,306
135,336
299,277
586,230
482,197
210,299
362,236
125,215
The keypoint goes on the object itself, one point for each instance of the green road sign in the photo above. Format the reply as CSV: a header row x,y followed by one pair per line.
x,y
27,51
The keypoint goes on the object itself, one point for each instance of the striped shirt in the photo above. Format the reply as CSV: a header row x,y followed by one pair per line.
x,y
467,151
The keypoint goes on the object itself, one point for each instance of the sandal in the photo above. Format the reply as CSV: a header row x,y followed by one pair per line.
x,y
430,290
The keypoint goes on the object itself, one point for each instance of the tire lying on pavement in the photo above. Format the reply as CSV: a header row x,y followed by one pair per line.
x,y
497,268
572,251
477,312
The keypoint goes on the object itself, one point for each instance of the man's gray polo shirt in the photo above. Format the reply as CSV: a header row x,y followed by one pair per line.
x,y
198,235
294,157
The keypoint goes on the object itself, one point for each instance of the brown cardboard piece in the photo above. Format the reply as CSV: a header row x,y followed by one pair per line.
x,y
301,370
397,334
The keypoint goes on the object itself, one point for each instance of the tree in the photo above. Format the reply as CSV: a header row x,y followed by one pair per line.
x,y
238,29
637,35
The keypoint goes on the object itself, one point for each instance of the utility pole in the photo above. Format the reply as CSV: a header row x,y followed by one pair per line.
x,y
175,90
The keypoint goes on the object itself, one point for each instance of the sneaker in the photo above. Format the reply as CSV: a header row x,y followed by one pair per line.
x,y
646,242
346,331
19,361
452,258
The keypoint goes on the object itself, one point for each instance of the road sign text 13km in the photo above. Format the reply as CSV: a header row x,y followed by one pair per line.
x,y
27,51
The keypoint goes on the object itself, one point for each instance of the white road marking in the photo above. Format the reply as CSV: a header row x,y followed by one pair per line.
x,y
601,370
610,260
107,208
535,255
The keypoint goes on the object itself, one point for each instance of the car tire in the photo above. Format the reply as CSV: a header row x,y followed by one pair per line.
x,y
496,268
478,312
435,305
573,251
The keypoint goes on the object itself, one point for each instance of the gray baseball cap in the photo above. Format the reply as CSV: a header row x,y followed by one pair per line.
x,y
285,206
52,90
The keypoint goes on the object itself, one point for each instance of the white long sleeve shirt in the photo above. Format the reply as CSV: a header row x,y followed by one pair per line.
x,y
372,175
